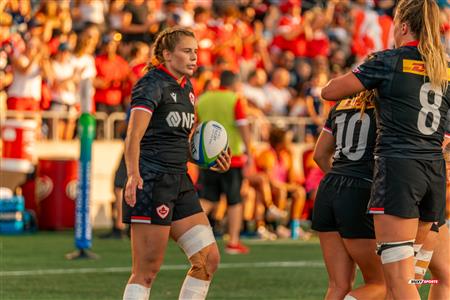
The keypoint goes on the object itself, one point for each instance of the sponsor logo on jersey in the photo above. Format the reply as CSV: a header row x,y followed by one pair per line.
x,y
162,211
183,119
192,98
414,67
174,96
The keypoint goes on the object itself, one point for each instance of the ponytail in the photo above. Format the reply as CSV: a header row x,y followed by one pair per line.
x,y
431,48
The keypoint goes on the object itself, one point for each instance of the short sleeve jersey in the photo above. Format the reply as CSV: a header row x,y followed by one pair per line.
x,y
165,144
355,135
411,113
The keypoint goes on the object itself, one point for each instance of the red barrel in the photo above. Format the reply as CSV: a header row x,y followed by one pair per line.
x,y
18,150
56,189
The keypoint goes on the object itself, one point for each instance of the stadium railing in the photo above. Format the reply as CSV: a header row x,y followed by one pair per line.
x,y
109,123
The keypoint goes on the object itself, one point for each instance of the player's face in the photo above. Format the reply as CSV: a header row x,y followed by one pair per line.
x,y
183,59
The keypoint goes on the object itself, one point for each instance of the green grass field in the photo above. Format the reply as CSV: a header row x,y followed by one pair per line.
x,y
34,267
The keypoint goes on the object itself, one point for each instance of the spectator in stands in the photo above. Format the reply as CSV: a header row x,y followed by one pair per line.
x,y
64,90
136,22
254,92
116,15
24,93
112,77
277,92
85,65
6,51
227,108
293,31
140,55
277,163
88,12
315,105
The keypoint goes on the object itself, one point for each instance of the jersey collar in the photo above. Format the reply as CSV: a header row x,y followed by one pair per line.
x,y
411,44
164,69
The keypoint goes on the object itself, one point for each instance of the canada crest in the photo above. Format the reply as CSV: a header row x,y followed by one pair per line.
x,y
162,211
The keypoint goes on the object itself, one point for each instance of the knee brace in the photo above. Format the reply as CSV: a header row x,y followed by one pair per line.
x,y
196,244
395,251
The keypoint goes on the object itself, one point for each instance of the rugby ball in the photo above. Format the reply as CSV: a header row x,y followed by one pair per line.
x,y
209,140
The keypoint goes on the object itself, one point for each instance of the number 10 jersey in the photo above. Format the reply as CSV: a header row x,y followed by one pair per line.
x,y
354,132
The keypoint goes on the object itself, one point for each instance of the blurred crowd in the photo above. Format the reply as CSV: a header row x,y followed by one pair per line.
x,y
54,53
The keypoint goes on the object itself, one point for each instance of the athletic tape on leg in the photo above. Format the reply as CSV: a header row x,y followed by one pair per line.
x,y
421,261
195,239
136,292
395,251
194,288
349,297
417,248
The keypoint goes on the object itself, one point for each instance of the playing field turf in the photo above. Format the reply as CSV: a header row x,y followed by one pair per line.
x,y
34,267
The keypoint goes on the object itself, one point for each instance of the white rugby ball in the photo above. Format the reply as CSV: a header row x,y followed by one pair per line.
x,y
209,140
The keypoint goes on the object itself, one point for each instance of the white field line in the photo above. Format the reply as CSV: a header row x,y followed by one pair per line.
x,y
273,264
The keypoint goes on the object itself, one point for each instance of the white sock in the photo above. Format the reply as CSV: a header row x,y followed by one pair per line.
x,y
136,292
349,297
194,288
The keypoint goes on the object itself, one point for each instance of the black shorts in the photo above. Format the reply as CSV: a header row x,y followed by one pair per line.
x,y
408,188
212,184
120,178
341,205
163,199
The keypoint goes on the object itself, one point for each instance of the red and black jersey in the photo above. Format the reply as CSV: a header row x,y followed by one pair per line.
x,y
411,114
355,135
165,145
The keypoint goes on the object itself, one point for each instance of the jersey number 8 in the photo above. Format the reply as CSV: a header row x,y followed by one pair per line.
x,y
427,92
349,136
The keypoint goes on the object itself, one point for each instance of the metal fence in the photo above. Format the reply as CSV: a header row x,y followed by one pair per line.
x,y
107,124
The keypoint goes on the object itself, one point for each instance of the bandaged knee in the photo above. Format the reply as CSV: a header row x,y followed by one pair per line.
x,y
395,251
136,292
196,244
421,261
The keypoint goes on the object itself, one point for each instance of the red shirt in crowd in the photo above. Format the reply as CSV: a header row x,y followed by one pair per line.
x,y
297,45
115,71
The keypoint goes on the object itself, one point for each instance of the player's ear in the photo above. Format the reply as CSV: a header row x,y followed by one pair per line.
x,y
404,28
167,55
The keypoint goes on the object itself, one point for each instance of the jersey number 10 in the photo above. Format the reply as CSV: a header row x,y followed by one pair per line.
x,y
350,138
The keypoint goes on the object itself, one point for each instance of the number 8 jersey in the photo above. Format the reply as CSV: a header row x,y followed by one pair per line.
x,y
411,114
355,134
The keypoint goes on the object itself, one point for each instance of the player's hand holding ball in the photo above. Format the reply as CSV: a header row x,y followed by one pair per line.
x,y
209,147
134,182
223,162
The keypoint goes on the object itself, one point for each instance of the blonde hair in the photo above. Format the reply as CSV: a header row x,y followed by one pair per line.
x,y
366,98
166,40
422,17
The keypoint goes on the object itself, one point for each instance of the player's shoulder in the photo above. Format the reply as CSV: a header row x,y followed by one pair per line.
x,y
384,55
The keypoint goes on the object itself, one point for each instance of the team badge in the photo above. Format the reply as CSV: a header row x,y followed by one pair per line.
x,y
174,96
162,211
192,97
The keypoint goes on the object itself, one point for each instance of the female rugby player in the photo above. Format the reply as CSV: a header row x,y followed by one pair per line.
x,y
408,190
160,200
344,151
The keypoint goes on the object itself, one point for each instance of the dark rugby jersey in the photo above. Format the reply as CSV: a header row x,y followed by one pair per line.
x,y
411,115
165,145
355,138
